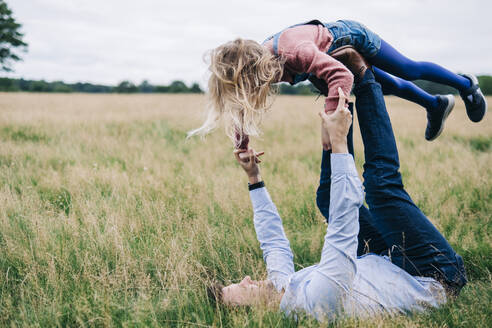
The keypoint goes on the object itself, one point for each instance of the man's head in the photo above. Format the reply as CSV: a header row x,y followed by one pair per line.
x,y
214,292
246,292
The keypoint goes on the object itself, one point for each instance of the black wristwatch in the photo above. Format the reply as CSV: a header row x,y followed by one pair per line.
x,y
257,185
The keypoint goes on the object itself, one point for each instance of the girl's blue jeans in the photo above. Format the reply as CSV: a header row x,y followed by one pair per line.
x,y
392,225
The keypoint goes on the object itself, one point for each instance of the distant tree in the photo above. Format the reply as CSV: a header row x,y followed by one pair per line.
x,y
178,87
195,88
161,88
88,87
39,86
304,89
435,88
80,87
485,82
7,84
126,87
23,84
145,87
10,38
59,86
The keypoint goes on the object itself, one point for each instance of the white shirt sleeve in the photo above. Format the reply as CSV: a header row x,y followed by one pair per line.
x,y
273,242
335,274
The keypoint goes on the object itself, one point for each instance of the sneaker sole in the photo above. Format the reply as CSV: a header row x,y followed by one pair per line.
x,y
485,101
448,111
474,81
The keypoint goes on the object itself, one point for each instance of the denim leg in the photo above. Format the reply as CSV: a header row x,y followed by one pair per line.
x,y
416,245
369,240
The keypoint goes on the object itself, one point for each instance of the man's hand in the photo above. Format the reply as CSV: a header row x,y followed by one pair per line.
x,y
325,138
336,125
249,161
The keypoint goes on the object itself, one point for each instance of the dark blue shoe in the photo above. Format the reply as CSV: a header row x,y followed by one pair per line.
x,y
476,105
436,117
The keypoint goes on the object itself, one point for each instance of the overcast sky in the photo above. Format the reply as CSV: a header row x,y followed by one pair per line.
x,y
107,41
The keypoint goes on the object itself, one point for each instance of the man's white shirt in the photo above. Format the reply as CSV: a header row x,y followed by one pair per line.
x,y
341,284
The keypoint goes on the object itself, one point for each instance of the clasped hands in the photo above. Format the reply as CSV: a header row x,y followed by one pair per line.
x,y
334,129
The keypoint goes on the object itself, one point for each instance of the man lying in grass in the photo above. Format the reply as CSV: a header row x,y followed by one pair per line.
x,y
420,269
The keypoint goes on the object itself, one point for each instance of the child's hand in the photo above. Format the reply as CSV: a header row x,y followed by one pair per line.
x,y
249,161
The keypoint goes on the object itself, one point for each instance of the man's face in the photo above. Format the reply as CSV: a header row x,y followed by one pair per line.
x,y
247,292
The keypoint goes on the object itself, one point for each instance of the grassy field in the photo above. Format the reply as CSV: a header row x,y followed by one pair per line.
x,y
109,217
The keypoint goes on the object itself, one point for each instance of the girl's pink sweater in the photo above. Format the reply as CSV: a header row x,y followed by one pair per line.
x,y
304,47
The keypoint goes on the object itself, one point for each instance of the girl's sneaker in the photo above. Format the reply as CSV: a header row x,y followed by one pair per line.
x,y
436,117
476,105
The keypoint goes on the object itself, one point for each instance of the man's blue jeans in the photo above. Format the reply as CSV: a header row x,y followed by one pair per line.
x,y
393,225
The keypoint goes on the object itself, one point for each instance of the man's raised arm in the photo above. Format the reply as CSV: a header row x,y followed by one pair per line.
x,y
336,271
346,189
268,224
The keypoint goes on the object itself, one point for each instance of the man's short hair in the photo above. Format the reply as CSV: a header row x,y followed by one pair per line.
x,y
214,292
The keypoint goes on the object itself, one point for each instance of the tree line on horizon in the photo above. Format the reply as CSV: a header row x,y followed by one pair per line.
x,y
12,44
22,85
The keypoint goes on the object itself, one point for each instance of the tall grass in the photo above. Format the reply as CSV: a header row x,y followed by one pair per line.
x,y
109,217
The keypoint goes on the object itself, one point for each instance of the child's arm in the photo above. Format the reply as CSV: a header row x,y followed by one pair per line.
x,y
304,49
308,58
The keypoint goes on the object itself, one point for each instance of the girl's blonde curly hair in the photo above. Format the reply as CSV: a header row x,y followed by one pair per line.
x,y
240,88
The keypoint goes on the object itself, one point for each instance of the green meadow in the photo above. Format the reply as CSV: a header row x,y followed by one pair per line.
x,y
110,217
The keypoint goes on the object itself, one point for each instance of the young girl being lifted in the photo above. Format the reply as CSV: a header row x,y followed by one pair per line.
x,y
243,71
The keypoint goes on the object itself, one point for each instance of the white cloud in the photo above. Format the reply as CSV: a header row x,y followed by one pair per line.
x,y
108,41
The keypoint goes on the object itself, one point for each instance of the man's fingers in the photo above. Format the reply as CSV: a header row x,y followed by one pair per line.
x,y
341,94
252,158
342,98
347,114
240,154
257,156
237,152
323,115
345,111
243,156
